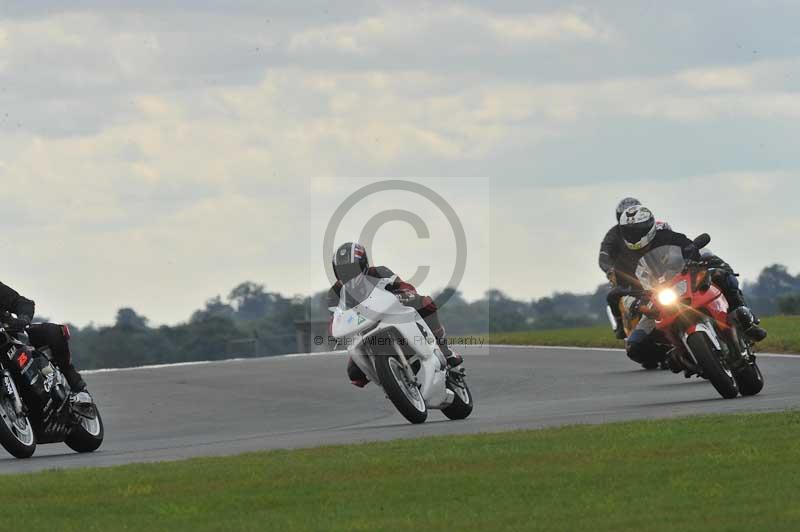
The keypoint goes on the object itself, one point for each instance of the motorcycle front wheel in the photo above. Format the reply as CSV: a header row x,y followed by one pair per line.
x,y
16,432
405,395
713,367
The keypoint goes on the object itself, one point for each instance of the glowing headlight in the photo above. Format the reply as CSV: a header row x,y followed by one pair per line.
x,y
668,297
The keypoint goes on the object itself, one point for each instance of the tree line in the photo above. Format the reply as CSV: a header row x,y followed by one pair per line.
x,y
252,321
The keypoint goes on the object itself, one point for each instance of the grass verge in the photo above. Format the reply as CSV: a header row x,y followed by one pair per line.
x,y
784,336
719,473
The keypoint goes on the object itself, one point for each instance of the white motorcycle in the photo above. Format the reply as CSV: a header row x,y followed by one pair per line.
x,y
396,349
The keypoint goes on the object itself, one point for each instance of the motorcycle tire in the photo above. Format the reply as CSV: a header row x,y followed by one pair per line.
x,y
21,445
750,380
721,378
462,406
416,411
88,436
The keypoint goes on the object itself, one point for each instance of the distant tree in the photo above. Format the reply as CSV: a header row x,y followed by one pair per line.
x,y
128,319
209,339
459,316
215,308
250,300
253,321
789,304
316,306
598,302
773,283
253,302
505,314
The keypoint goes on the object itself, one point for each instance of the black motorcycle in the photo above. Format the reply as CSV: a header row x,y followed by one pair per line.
x,y
36,403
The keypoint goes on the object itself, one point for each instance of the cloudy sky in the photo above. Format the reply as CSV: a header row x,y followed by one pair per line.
x,y
155,154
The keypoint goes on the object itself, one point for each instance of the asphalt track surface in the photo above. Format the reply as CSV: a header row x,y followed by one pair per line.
x,y
225,408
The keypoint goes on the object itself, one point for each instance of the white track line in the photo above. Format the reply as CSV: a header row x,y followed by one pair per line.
x,y
555,347
331,353
209,362
607,349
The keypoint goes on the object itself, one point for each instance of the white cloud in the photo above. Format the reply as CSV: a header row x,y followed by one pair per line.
x,y
418,26
689,96
158,158
543,28
717,78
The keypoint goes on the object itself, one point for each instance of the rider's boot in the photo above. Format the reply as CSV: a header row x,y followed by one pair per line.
x,y
613,301
742,315
453,359
357,377
74,379
750,324
673,361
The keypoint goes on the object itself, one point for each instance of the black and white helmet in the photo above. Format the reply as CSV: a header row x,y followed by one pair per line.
x,y
638,227
350,261
626,204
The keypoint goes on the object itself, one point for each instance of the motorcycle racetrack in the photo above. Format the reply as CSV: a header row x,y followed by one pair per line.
x,y
231,407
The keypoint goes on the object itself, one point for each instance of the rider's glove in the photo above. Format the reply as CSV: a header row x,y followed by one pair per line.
x,y
17,324
636,307
406,297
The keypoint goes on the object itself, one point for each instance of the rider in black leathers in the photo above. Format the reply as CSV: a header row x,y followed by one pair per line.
x,y
612,248
613,244
42,335
635,234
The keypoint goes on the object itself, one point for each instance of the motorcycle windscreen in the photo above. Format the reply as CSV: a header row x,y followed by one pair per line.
x,y
659,266
356,291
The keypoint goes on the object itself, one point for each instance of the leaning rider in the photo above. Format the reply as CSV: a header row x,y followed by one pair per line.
x,y
611,249
641,235
350,262
42,335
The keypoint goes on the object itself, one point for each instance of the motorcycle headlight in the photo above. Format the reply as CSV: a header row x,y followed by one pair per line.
x,y
667,297
670,296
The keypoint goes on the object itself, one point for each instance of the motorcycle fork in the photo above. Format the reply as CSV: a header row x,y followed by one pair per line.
x,y
740,350
406,366
683,356
11,389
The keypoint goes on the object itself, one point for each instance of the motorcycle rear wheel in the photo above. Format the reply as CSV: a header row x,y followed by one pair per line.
x,y
406,397
721,377
88,436
750,380
462,404
16,434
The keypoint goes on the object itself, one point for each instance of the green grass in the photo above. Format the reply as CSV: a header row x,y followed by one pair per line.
x,y
784,336
720,473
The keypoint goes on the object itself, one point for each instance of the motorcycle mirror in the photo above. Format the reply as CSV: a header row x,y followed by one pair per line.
x,y
702,241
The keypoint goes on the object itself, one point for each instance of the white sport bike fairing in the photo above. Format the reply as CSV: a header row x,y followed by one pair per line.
x,y
396,349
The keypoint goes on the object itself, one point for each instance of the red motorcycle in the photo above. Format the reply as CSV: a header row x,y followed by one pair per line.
x,y
692,314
